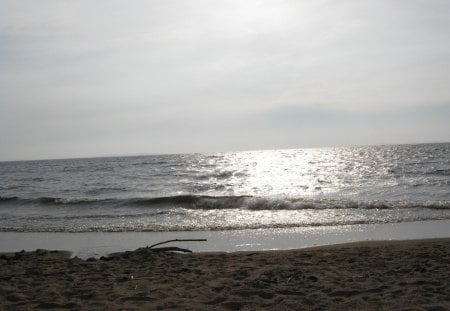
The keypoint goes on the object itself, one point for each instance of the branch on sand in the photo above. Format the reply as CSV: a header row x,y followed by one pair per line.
x,y
174,249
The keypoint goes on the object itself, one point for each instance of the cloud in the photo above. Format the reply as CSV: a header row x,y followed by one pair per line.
x,y
155,69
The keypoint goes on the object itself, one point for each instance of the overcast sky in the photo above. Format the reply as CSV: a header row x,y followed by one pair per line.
x,y
92,78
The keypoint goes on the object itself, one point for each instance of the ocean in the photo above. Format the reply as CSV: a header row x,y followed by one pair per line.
x,y
228,191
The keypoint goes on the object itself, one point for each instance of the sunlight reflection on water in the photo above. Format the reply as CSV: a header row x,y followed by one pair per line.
x,y
231,190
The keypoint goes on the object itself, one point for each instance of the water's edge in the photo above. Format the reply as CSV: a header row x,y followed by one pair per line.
x,y
90,244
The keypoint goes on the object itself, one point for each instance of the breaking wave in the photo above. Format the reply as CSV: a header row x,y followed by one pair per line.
x,y
203,202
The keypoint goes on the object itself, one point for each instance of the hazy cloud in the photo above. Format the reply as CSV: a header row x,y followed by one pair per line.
x,y
80,78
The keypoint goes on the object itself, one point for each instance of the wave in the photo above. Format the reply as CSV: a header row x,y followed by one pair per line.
x,y
155,163
51,201
77,228
205,202
441,172
8,199
47,218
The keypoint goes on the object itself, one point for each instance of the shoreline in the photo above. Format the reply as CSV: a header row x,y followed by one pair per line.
x,y
97,244
371,275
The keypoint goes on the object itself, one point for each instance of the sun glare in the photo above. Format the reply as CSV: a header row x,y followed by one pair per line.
x,y
257,17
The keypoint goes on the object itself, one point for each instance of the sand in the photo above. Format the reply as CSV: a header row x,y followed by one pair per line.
x,y
395,275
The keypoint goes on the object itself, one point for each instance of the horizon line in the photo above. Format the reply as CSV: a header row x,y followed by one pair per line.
x,y
213,152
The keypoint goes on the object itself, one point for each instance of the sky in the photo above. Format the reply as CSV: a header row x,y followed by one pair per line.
x,y
96,78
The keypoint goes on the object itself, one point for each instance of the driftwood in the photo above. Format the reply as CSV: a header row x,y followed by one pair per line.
x,y
173,249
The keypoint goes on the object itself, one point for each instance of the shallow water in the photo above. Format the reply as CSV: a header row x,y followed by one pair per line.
x,y
97,244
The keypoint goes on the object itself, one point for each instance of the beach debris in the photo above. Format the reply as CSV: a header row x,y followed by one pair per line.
x,y
173,248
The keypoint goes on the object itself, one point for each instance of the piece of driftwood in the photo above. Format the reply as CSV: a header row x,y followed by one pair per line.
x,y
171,249
175,240
152,248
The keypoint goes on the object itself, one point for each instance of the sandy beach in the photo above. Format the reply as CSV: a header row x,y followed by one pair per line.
x,y
385,275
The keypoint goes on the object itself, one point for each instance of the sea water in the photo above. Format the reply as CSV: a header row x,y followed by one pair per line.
x,y
296,188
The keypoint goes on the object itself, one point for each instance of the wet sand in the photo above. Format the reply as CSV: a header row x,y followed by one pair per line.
x,y
385,275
